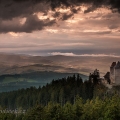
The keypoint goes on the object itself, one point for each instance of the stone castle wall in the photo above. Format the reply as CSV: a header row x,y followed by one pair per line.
x,y
112,75
117,76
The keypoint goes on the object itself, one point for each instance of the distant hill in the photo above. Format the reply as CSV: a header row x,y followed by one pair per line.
x,y
19,64
25,80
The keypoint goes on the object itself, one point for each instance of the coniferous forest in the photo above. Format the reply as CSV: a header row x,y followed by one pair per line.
x,y
63,99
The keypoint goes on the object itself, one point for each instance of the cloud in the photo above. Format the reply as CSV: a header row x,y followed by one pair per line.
x,y
90,9
84,55
32,23
59,53
99,55
14,10
13,34
114,26
62,16
19,8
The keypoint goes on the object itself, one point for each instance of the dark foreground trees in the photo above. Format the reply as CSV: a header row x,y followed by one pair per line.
x,y
63,99
95,109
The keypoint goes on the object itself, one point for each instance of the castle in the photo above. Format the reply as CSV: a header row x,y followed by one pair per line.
x,y
115,73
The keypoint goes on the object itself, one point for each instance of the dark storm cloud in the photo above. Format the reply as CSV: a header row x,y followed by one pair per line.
x,y
114,4
14,8
66,16
11,9
32,23
90,9
62,16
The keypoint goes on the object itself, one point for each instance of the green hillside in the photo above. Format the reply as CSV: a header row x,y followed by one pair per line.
x,y
18,81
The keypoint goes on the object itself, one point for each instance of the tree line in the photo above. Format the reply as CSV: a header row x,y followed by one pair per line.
x,y
58,91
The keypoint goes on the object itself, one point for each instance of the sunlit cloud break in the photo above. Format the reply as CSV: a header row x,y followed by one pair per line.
x,y
84,55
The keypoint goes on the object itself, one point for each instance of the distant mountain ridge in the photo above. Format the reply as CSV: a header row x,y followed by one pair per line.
x,y
18,64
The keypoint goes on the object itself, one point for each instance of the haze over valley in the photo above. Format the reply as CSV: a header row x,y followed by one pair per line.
x,y
17,64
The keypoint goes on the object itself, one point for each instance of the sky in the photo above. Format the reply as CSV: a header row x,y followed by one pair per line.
x,y
59,27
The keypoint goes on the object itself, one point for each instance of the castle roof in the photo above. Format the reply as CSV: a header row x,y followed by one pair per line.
x,y
117,65
113,64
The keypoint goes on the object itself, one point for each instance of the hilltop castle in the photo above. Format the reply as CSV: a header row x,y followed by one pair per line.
x,y
115,73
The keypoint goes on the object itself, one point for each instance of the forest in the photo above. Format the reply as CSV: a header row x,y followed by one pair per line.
x,y
63,99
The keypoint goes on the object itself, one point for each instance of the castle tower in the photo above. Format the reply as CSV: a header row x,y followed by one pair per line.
x,y
117,73
112,72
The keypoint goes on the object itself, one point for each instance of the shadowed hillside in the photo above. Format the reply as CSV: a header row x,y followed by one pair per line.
x,y
25,80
